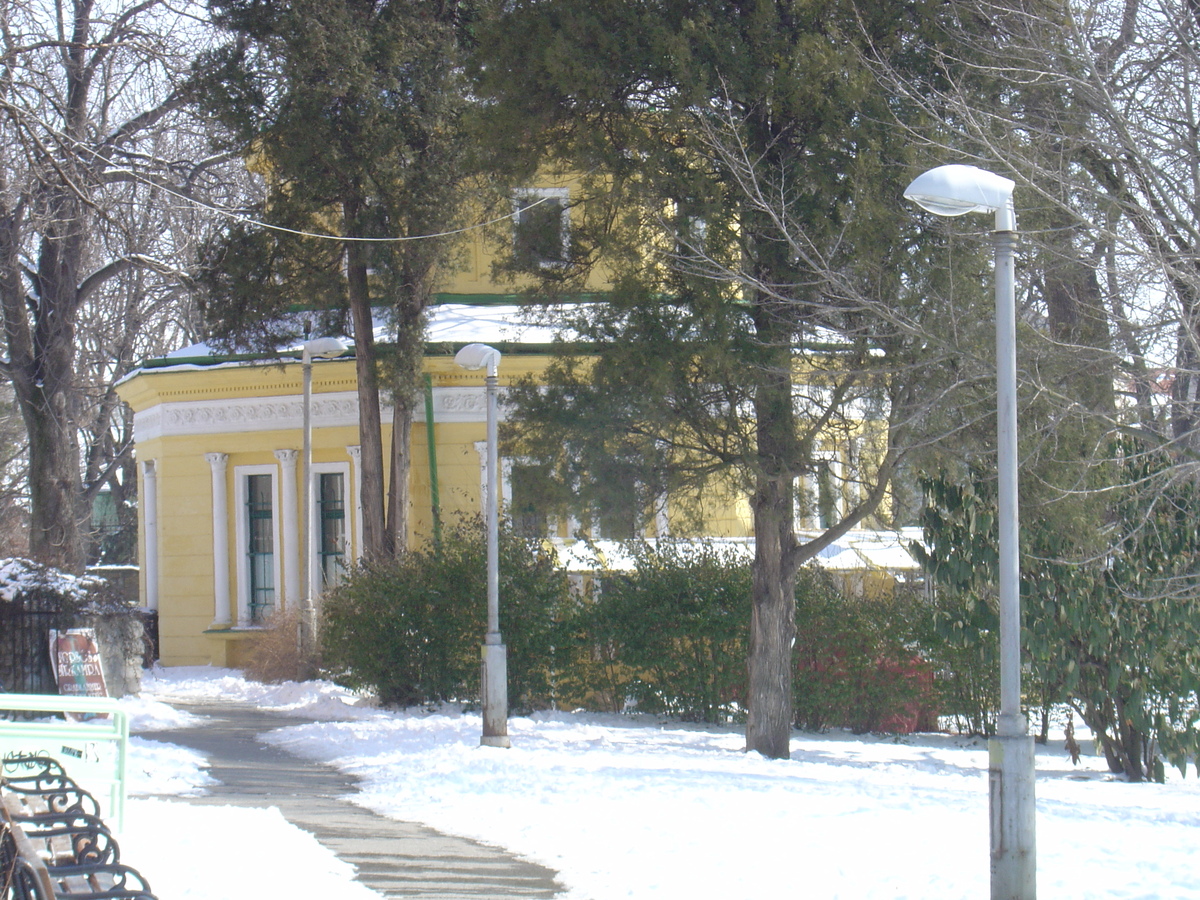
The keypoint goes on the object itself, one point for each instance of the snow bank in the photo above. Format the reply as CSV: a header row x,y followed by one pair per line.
x,y
636,807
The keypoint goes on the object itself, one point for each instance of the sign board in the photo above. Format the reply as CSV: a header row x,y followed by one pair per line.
x,y
77,667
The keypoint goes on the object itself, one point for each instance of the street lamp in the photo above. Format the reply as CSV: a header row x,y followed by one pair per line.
x,y
319,348
494,672
954,191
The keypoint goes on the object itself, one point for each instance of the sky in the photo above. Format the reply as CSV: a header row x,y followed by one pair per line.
x,y
639,807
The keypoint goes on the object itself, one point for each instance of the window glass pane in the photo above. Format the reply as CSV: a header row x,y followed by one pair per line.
x,y
260,548
532,501
617,506
331,499
539,235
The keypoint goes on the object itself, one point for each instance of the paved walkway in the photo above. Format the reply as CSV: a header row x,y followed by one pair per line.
x,y
397,859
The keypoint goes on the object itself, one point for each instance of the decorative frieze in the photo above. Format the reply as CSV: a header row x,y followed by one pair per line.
x,y
226,416
459,404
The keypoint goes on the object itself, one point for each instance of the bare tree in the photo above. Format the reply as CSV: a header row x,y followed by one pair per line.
x,y
100,160
1090,105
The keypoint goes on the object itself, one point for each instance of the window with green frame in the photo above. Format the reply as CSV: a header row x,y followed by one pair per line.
x,y
260,546
331,515
533,501
540,228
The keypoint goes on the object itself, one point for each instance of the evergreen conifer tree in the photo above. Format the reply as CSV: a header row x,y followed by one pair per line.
x,y
769,321
352,110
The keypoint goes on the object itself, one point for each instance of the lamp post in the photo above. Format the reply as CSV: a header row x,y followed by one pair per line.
x,y
494,672
320,348
955,190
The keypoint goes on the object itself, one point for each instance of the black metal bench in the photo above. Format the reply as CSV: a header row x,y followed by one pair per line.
x,y
40,784
52,842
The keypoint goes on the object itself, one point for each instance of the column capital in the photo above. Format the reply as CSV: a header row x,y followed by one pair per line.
x,y
287,457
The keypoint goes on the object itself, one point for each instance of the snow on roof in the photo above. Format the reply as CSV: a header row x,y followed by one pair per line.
x,y
447,323
855,551
191,351
454,322
867,549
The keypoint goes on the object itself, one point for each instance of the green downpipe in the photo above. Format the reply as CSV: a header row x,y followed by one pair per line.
x,y
431,441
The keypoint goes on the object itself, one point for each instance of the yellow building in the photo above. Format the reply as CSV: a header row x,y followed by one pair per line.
x,y
219,442
219,439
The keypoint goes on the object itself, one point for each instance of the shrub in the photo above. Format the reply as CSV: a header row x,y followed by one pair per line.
x,y
857,665
274,654
669,635
411,629
959,637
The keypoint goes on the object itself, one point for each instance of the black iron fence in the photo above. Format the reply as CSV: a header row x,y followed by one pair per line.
x,y
25,624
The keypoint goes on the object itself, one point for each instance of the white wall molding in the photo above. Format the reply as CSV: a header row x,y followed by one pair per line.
x,y
356,541
330,410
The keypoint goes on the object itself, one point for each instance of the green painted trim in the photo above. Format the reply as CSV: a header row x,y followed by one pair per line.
x,y
440,348
443,299
431,443
233,634
163,362
510,348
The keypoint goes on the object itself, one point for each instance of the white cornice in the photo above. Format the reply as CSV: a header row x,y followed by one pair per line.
x,y
329,410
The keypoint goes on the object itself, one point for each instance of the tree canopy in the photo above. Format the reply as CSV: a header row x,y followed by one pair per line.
x,y
769,318
352,111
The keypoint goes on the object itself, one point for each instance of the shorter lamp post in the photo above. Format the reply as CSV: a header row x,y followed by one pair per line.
x,y
319,348
494,672
954,191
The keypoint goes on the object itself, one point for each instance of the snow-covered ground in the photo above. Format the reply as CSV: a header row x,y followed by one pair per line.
x,y
635,807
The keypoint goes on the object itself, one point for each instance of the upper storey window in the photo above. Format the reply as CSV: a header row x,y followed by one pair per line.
x,y
541,228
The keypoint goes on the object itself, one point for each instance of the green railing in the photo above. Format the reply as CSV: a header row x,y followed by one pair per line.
x,y
93,752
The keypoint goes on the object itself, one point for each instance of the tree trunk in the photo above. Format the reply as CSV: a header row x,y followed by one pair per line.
x,y
42,368
404,377
398,496
375,541
57,532
773,612
772,623
1077,317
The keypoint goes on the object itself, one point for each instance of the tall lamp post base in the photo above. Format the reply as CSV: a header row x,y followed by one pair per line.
x,y
1010,785
494,688
307,636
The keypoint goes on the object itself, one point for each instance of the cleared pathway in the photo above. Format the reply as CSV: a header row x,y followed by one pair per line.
x,y
397,859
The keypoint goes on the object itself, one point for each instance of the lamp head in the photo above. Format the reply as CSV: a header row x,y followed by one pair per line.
x,y
324,348
955,190
479,356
